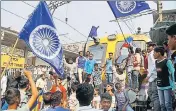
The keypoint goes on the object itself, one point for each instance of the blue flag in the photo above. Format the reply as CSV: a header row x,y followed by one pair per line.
x,y
93,32
41,36
127,8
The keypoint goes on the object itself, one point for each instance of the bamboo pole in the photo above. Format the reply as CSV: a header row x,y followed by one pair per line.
x,y
11,54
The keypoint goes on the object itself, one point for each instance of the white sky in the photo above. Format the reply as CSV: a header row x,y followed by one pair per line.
x,y
81,15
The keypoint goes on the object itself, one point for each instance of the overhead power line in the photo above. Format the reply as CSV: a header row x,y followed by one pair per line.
x,y
14,14
26,19
60,21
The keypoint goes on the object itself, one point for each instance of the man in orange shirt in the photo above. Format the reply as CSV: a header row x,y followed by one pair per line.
x,y
58,86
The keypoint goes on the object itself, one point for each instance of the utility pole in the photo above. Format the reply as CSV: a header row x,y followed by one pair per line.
x,y
159,9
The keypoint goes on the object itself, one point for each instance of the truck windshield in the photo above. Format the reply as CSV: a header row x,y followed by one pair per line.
x,y
122,52
98,51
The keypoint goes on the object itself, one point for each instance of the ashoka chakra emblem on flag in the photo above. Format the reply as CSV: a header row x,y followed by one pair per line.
x,y
125,6
44,41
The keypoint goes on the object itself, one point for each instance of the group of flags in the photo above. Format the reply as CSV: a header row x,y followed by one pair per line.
x,y
40,34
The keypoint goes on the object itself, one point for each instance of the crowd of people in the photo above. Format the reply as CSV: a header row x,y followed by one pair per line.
x,y
84,89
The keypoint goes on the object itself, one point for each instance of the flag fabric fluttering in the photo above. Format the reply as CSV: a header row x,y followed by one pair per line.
x,y
127,8
93,32
40,34
129,39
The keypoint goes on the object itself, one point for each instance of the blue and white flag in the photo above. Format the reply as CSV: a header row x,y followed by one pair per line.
x,y
127,8
41,36
93,32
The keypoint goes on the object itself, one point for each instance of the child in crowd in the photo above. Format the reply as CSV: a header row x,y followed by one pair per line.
x,y
97,81
73,102
96,99
46,100
110,90
56,104
121,98
88,79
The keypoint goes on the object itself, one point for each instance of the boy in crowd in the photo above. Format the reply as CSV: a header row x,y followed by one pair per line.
x,y
46,100
106,101
73,102
56,99
84,94
165,79
96,99
97,81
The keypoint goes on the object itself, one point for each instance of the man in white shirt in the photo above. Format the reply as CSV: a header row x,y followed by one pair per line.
x,y
72,68
44,69
84,94
39,70
151,78
41,82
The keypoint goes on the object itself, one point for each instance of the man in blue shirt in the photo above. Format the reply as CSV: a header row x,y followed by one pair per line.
x,y
80,61
89,65
109,63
